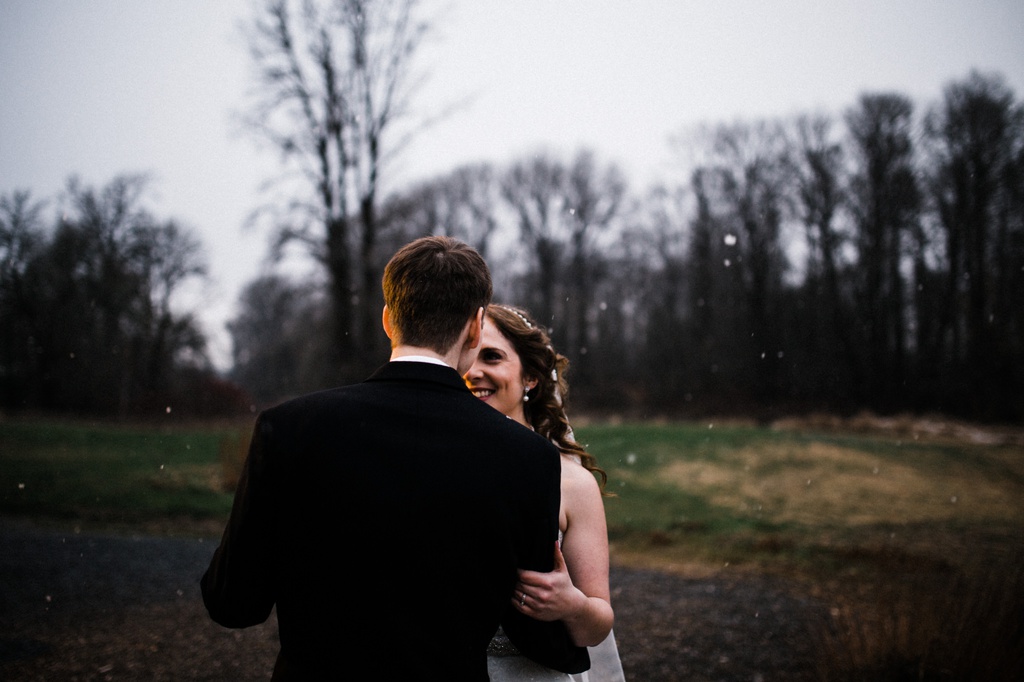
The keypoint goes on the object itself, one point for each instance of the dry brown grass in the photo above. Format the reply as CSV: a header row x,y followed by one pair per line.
x,y
956,626
822,483
935,429
232,452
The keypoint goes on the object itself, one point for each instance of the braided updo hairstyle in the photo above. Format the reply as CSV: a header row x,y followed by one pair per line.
x,y
545,410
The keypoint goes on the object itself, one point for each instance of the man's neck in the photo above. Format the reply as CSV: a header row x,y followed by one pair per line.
x,y
417,352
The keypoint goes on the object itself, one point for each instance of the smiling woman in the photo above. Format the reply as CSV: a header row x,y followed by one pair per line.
x,y
497,377
519,373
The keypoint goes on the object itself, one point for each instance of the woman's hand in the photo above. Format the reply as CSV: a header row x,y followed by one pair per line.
x,y
548,596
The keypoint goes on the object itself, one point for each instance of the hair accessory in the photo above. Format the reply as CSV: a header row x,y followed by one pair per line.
x,y
520,316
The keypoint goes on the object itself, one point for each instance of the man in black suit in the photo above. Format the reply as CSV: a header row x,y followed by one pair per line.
x,y
386,520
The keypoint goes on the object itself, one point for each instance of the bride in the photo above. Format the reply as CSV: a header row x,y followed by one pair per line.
x,y
519,373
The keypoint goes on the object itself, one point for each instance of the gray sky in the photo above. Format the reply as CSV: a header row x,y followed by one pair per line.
x,y
102,87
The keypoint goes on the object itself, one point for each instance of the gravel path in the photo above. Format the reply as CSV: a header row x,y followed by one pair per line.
x,y
82,606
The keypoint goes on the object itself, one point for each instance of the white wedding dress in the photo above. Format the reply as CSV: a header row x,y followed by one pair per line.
x,y
506,664
605,665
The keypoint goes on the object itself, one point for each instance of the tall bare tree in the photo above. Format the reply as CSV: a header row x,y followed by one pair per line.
x,y
594,197
332,80
560,211
977,138
750,185
533,189
817,164
21,242
886,201
664,238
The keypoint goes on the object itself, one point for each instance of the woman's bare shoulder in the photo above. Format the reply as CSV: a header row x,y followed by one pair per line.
x,y
576,476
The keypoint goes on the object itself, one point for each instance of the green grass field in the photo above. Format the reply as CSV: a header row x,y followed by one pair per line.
x,y
128,476
916,541
686,495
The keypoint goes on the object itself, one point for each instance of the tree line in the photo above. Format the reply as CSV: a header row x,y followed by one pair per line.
x,y
87,303
868,260
873,260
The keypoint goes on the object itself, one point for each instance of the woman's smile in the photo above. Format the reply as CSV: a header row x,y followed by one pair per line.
x,y
496,376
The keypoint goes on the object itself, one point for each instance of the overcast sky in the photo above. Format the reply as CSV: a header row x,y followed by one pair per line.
x,y
102,87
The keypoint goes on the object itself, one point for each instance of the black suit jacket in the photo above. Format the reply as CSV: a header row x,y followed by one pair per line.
x,y
385,521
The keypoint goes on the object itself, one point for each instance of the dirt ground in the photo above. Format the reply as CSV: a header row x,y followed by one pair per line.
x,y
82,606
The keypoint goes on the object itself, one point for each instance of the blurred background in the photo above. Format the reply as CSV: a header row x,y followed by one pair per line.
x,y
753,209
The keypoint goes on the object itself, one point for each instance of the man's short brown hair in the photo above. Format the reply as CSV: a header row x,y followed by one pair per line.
x,y
432,287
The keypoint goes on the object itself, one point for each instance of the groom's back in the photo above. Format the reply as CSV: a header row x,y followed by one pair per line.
x,y
386,520
406,506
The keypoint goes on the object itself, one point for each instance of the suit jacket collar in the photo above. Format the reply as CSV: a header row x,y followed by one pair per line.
x,y
419,372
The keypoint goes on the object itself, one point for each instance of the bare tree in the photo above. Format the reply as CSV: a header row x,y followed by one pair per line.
x,y
664,238
594,198
333,78
560,210
276,366
817,166
886,202
749,185
976,137
818,171
533,189
21,242
461,204
20,224
166,255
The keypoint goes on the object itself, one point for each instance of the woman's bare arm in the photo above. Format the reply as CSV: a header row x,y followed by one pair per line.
x,y
577,591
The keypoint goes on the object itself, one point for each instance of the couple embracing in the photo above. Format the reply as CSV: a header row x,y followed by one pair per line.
x,y
436,521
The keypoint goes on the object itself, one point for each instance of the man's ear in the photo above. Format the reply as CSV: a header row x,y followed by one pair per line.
x,y
386,321
476,326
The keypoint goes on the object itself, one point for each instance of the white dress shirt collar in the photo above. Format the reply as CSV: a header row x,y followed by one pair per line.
x,y
421,358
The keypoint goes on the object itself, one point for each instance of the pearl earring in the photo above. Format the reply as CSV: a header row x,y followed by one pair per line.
x,y
526,395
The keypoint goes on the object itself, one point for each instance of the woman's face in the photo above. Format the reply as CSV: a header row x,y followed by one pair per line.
x,y
496,376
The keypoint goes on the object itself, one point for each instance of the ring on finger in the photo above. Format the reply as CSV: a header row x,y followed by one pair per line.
x,y
522,599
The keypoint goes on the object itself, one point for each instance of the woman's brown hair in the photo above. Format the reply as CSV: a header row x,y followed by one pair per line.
x,y
545,409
